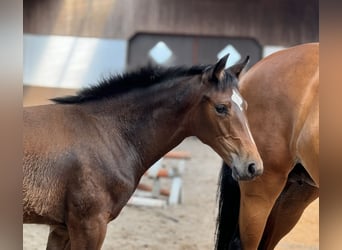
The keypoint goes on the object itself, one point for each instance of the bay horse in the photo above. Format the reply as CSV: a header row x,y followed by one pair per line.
x,y
282,94
84,155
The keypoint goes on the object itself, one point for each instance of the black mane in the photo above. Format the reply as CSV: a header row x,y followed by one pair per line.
x,y
118,84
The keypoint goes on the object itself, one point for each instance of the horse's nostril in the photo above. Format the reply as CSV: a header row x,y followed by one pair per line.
x,y
251,168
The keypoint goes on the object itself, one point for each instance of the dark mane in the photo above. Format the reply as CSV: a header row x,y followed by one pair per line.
x,y
118,84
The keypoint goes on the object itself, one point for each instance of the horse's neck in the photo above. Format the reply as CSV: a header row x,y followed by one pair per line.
x,y
148,123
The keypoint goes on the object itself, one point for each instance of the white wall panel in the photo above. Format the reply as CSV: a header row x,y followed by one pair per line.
x,y
71,62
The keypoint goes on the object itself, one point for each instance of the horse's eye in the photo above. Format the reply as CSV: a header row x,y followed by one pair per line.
x,y
221,109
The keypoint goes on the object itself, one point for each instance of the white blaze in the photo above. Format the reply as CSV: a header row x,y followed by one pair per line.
x,y
250,134
237,99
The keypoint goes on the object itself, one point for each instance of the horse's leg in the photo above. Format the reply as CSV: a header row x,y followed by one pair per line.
x,y
86,232
228,211
257,200
289,207
58,238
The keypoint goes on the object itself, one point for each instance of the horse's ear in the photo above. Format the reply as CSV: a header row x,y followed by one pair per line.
x,y
237,68
218,68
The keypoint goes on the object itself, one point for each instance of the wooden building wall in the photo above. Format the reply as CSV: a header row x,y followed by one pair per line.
x,y
282,22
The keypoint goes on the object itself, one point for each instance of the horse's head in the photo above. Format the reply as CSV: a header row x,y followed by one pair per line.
x,y
221,120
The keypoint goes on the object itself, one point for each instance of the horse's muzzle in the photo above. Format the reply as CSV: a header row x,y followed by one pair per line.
x,y
249,172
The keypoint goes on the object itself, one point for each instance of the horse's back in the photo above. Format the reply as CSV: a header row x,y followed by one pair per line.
x,y
287,70
46,132
54,128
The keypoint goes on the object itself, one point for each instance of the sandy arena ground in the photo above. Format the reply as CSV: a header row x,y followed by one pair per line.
x,y
189,226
